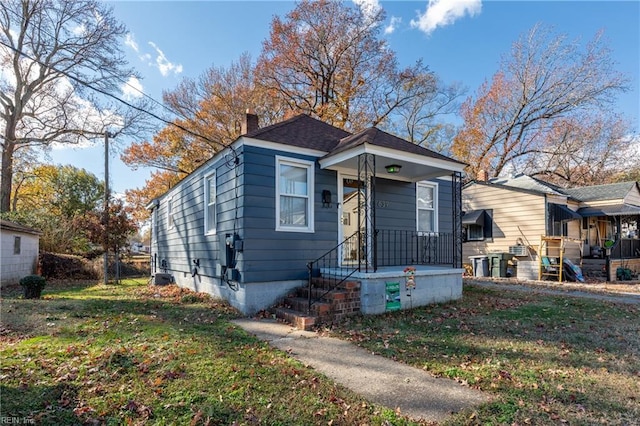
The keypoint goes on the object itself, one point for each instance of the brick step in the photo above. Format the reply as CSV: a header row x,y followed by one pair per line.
x,y
301,304
317,293
327,284
297,319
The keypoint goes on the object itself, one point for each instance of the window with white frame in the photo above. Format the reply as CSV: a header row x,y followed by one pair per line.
x,y
427,206
294,195
170,212
210,203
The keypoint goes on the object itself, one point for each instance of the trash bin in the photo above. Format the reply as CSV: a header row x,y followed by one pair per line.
x,y
498,263
480,266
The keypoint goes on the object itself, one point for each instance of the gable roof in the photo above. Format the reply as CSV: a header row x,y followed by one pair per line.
x,y
377,137
302,131
528,183
612,191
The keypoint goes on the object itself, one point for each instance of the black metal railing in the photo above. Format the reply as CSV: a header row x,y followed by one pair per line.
x,y
391,248
339,264
627,248
395,248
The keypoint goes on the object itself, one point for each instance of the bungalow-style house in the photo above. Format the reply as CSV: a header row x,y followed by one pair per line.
x,y
19,251
595,227
301,200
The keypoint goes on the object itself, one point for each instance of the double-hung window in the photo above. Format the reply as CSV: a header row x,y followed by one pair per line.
x,y
294,195
170,213
427,207
210,204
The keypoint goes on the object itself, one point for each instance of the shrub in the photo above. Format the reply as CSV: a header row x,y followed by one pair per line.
x,y
65,266
32,286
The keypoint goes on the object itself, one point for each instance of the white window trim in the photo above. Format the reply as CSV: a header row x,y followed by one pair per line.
x,y
434,186
171,222
310,166
207,196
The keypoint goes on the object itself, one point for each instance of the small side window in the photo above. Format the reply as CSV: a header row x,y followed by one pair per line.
x,y
210,204
17,245
170,213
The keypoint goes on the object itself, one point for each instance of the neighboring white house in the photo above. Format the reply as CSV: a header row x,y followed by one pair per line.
x,y
19,247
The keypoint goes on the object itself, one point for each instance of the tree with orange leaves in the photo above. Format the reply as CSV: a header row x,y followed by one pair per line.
x,y
327,59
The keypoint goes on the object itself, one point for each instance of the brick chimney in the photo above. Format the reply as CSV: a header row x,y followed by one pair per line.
x,y
249,123
482,176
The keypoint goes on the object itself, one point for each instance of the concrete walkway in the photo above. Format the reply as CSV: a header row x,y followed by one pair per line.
x,y
394,385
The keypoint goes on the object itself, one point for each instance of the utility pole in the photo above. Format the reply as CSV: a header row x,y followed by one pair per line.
x,y
106,207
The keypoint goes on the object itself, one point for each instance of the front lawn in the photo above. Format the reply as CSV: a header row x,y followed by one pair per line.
x,y
138,354
545,359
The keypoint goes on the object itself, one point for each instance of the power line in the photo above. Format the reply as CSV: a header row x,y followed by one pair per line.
x,y
111,95
17,15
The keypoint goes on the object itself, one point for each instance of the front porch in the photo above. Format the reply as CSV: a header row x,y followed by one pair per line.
x,y
386,289
381,265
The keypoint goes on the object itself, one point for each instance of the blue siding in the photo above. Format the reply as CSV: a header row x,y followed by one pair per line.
x,y
271,255
246,205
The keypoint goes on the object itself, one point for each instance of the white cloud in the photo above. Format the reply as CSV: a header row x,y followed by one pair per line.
x,y
440,13
165,66
369,8
132,88
393,24
130,41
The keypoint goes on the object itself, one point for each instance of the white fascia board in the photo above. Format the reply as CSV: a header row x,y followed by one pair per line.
x,y
391,154
279,147
415,158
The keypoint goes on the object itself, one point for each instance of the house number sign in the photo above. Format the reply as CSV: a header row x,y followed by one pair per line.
x,y
383,204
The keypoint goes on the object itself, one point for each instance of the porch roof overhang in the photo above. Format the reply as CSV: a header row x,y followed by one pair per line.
x,y
620,209
413,167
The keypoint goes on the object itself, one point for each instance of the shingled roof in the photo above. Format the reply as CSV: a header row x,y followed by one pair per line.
x,y
527,183
612,191
302,131
377,137
16,227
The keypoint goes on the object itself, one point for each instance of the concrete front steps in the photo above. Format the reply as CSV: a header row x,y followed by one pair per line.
x,y
330,307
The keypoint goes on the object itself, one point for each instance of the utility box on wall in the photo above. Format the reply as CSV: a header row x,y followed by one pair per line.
x,y
162,279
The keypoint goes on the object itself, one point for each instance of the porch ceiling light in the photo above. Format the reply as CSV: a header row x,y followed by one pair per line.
x,y
393,168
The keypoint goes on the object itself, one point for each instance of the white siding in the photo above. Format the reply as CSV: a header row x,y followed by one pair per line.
x,y
517,217
15,266
633,197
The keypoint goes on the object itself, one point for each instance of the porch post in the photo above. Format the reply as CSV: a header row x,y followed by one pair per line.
x,y
456,186
366,211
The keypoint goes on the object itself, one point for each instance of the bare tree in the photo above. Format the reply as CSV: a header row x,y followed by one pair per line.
x,y
586,151
61,69
546,81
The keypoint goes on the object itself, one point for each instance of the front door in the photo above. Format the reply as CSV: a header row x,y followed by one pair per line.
x,y
352,223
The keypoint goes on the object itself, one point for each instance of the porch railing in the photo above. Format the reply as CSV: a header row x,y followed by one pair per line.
x,y
390,248
338,265
395,248
626,248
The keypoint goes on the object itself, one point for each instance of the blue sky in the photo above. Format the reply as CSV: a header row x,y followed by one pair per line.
x,y
461,40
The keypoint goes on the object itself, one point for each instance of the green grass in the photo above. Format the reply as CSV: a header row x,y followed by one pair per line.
x,y
137,354
544,359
